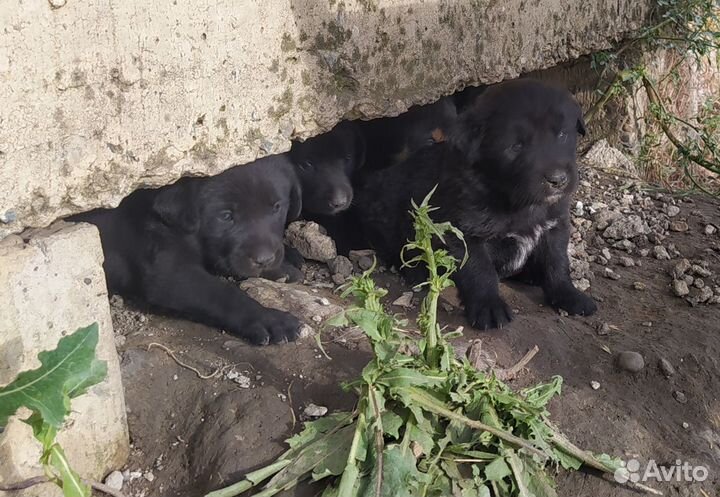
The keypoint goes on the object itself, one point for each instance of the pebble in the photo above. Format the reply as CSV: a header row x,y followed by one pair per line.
x,y
699,283
701,271
314,411
710,230
363,258
603,329
630,361
673,210
639,285
661,253
606,253
685,425
405,300
609,273
115,480
341,266
582,284
680,397
149,476
595,385
682,267
647,324
666,367
680,288
627,261
679,226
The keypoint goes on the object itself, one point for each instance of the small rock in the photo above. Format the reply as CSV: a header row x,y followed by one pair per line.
x,y
405,300
239,378
115,480
312,243
639,285
644,252
701,271
647,324
666,367
685,425
679,226
313,411
231,344
306,331
338,279
689,280
673,210
680,397
323,302
579,208
700,283
626,228
680,288
341,266
603,329
705,295
661,253
682,267
630,361
583,284
627,261
606,253
595,385
609,273
149,476
363,258
710,230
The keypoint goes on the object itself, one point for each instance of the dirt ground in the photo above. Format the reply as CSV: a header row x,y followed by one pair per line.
x,y
190,435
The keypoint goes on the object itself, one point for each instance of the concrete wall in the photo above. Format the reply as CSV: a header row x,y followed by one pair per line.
x,y
100,97
51,285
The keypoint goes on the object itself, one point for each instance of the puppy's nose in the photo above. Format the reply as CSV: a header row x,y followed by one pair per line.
x,y
339,200
263,259
557,179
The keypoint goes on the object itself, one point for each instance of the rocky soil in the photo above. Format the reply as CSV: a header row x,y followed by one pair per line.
x,y
642,377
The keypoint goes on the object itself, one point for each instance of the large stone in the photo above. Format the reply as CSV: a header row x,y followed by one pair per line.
x,y
49,286
100,97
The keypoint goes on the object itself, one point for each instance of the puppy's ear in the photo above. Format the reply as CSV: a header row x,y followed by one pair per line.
x,y
177,206
467,134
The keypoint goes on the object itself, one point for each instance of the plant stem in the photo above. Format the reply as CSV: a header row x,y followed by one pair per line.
x,y
251,480
431,404
351,472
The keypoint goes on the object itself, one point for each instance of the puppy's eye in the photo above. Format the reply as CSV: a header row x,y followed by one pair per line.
x,y
562,136
226,216
276,207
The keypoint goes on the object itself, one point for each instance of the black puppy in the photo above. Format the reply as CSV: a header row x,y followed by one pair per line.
x,y
165,246
505,178
392,140
325,165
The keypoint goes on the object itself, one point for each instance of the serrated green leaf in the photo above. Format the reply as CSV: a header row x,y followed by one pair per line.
x,y
338,320
540,395
391,423
405,377
67,371
497,470
400,476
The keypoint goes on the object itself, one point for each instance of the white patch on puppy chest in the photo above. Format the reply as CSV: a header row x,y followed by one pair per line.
x,y
526,244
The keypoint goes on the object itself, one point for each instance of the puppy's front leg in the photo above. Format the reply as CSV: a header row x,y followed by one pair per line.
x,y
549,261
477,283
193,292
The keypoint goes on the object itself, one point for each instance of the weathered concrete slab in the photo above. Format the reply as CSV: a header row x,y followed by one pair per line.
x,y
102,96
52,285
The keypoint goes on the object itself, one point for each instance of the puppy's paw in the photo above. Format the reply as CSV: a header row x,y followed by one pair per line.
x,y
573,301
488,313
272,326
